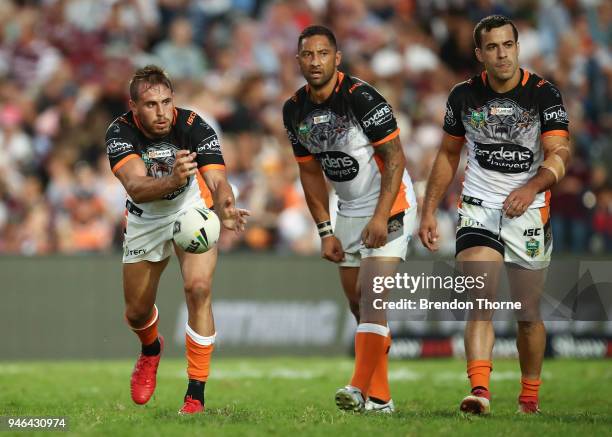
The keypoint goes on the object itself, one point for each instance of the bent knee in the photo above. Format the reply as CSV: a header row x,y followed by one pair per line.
x,y
138,316
198,289
530,325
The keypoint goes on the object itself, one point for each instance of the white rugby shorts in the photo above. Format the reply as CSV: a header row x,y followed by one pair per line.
x,y
525,240
400,229
150,239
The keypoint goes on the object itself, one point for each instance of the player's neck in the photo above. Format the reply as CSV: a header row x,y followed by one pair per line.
x,y
319,95
503,86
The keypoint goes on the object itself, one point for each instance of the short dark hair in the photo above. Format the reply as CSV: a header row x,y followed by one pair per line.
x,y
151,75
492,22
317,30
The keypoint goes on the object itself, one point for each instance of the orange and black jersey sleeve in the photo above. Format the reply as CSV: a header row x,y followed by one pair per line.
x,y
299,150
553,116
453,125
374,114
121,143
203,140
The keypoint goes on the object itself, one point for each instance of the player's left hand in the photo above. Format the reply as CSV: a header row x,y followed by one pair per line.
x,y
233,218
374,235
518,201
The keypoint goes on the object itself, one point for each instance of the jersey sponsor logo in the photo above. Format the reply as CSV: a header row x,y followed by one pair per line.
x,y
555,113
192,116
321,119
449,116
496,110
468,222
117,147
504,158
338,166
292,138
210,145
378,116
534,232
355,85
134,252
165,153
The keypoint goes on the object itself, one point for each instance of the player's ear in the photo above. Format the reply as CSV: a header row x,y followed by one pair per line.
x,y
338,58
518,48
478,54
132,105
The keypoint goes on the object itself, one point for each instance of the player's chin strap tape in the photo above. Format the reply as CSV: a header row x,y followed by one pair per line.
x,y
325,229
133,209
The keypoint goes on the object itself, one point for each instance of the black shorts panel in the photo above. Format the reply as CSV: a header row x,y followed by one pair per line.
x,y
473,237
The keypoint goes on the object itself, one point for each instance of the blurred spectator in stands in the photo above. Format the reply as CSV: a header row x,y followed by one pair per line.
x,y
178,55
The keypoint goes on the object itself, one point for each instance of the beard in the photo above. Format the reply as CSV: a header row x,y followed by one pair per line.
x,y
319,82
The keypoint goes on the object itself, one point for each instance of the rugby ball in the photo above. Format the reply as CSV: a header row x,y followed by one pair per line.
x,y
196,230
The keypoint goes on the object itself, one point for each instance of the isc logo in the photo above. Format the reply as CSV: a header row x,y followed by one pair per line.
x,y
532,232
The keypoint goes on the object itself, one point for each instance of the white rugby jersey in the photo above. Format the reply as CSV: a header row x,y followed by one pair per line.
x,y
125,141
503,134
341,134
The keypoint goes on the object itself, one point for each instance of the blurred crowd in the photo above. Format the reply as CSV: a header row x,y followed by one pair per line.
x,y
65,66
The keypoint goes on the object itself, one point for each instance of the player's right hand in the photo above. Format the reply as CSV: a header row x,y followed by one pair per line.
x,y
184,166
331,249
428,232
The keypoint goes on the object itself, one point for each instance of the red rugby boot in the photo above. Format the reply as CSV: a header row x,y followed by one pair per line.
x,y
144,376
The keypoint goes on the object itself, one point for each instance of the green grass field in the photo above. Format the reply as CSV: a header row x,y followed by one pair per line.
x,y
294,396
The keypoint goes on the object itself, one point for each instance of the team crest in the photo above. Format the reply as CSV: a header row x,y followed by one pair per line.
x,y
477,119
532,247
303,129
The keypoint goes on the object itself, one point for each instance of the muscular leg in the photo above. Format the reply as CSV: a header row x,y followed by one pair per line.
x,y
197,271
526,287
372,337
140,281
348,278
479,335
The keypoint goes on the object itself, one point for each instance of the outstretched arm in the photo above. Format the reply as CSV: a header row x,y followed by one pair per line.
x,y
231,217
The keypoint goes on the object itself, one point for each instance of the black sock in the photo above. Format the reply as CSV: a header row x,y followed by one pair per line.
x,y
377,401
152,349
195,389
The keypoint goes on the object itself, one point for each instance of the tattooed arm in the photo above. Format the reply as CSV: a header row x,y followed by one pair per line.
x,y
392,158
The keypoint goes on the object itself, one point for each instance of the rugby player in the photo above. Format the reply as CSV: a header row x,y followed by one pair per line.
x,y
516,130
168,159
341,128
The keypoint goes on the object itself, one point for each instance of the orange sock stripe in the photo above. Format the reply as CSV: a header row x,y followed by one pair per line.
x,y
379,384
198,359
479,372
530,387
369,349
148,333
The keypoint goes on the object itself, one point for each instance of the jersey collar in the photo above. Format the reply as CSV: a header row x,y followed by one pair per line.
x,y
339,80
523,82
